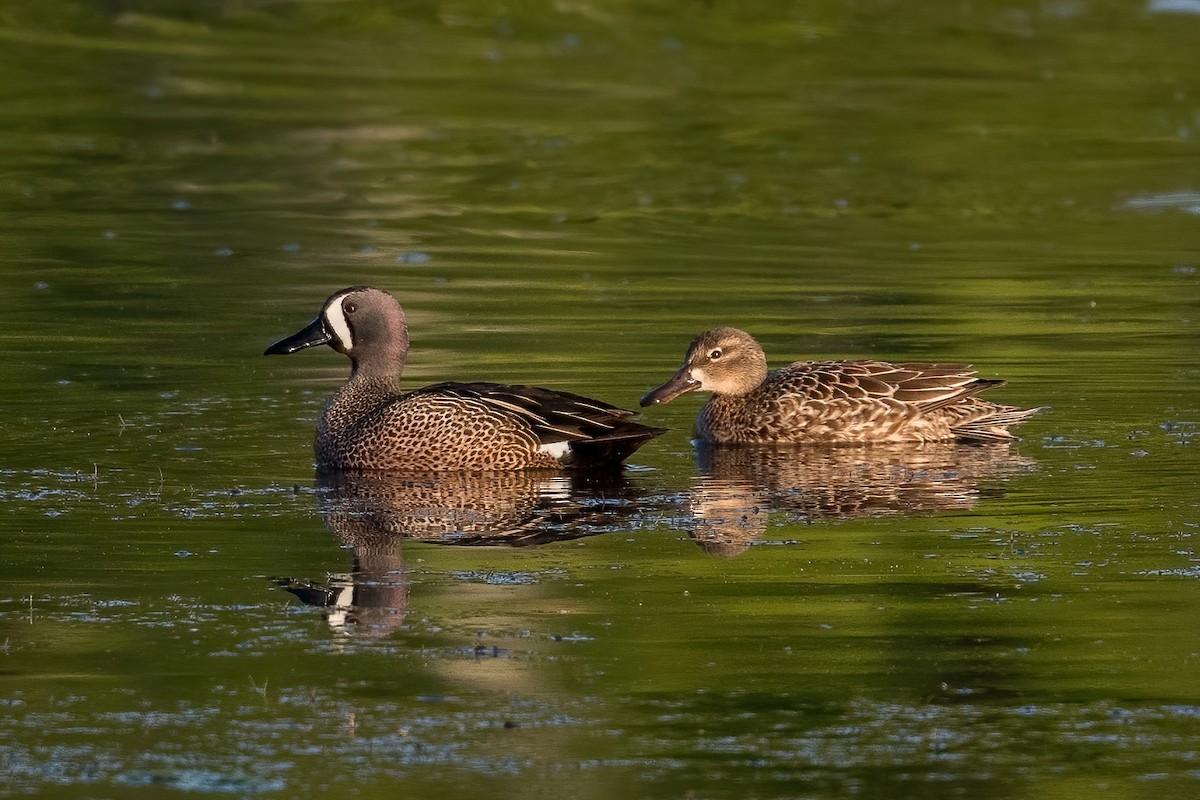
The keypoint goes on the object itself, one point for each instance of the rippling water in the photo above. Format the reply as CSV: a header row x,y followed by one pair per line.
x,y
564,194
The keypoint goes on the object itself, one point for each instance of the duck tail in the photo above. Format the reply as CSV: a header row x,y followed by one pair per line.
x,y
610,449
993,427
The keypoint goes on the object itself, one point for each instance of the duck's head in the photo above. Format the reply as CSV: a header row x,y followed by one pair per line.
x,y
722,360
364,323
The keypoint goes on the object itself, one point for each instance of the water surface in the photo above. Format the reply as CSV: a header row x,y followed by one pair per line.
x,y
564,195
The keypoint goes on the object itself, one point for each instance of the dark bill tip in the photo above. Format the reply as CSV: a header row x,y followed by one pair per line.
x,y
311,336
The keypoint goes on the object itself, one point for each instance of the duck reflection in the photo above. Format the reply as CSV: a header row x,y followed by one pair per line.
x,y
372,513
731,500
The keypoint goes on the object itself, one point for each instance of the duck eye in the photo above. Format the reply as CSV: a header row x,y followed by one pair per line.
x,y
350,306
715,354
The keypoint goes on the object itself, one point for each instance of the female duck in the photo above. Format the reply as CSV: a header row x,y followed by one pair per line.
x,y
832,402
369,424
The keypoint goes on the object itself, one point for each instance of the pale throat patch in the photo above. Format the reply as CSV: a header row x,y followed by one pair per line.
x,y
335,318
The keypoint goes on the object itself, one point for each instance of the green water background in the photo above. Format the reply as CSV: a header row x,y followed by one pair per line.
x,y
563,194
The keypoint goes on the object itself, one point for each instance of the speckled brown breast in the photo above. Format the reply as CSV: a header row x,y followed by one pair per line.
x,y
361,429
465,427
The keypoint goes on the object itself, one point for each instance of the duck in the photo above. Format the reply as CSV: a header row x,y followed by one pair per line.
x,y
370,424
832,402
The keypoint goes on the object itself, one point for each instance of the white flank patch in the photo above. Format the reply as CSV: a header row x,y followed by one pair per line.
x,y
335,318
556,449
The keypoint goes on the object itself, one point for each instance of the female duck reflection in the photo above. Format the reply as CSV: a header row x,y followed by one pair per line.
x,y
738,486
371,513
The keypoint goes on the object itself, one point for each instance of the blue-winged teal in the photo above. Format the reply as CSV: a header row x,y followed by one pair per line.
x,y
831,402
370,424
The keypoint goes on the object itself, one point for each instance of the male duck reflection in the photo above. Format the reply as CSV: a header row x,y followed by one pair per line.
x,y
831,402
369,424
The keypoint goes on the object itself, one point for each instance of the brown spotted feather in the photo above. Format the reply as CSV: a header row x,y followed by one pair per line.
x,y
369,424
832,401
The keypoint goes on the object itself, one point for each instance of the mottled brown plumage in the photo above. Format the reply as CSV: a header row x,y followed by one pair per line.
x,y
832,402
369,424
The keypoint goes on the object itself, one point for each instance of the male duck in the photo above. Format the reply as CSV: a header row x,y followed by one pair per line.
x,y
369,424
832,402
